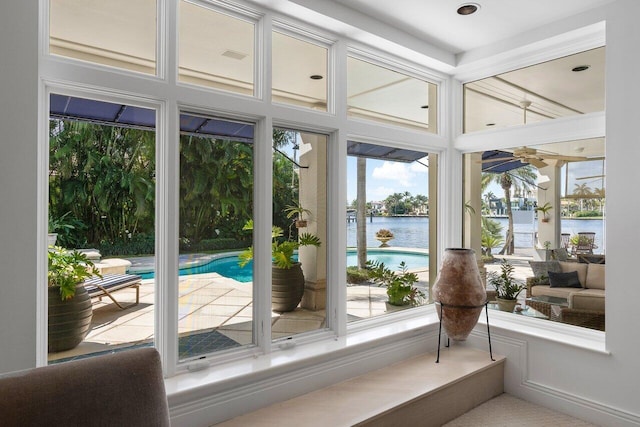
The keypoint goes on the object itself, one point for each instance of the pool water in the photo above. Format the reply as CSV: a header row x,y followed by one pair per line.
x,y
227,266
392,258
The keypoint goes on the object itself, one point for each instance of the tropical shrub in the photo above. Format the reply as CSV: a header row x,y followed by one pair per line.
x,y
401,289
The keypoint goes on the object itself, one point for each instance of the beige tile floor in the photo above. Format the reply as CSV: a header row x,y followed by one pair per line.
x,y
210,301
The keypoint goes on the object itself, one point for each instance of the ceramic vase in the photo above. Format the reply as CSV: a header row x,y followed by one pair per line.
x,y
459,293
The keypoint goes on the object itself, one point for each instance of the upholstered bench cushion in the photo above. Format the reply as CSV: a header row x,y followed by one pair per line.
x,y
121,389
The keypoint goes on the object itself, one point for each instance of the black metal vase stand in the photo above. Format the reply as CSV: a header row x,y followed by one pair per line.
x,y
464,307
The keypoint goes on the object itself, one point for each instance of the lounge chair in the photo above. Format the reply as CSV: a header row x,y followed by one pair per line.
x,y
586,243
98,287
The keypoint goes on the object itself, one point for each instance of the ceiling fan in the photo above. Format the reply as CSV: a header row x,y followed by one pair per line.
x,y
534,157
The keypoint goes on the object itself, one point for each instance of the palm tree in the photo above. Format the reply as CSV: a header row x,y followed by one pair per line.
x,y
422,201
361,212
600,193
393,200
582,190
522,178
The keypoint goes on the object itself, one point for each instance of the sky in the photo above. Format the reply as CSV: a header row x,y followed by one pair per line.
x,y
385,178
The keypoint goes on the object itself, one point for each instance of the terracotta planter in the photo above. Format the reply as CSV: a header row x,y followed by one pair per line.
x,y
301,223
69,321
383,241
459,293
287,287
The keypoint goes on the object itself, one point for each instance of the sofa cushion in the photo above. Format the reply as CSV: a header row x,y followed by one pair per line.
x,y
541,270
595,276
575,266
564,280
546,290
587,299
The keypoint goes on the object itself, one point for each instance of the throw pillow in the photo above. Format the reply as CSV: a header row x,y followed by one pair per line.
x,y
541,270
560,254
564,280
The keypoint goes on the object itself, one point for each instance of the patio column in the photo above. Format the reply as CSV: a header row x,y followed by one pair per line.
x,y
549,191
313,196
473,199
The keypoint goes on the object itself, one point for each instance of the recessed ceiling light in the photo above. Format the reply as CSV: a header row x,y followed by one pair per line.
x,y
316,77
468,9
424,106
580,68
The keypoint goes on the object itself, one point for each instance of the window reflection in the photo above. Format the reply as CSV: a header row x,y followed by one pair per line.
x,y
118,33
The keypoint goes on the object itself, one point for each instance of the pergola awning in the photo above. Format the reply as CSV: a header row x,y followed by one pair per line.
x,y
382,152
108,113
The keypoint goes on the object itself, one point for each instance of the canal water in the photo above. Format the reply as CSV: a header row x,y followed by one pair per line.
x,y
413,232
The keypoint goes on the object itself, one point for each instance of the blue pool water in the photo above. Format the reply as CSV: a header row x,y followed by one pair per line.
x,y
392,258
227,266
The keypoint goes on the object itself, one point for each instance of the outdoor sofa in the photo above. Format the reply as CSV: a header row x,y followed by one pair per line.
x,y
581,284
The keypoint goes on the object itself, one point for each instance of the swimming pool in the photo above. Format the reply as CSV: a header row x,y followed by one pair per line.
x,y
227,265
392,257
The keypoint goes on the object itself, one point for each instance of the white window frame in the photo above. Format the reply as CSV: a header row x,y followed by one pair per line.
x,y
169,97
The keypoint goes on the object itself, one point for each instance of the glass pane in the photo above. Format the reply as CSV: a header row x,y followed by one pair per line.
x,y
520,212
387,225
101,203
563,87
215,49
380,94
299,273
118,33
299,72
215,310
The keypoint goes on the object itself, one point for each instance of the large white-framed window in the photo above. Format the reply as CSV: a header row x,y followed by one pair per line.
x,y
184,111
528,197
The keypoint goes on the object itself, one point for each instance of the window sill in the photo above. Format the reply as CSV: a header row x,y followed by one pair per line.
x,y
573,336
366,336
218,377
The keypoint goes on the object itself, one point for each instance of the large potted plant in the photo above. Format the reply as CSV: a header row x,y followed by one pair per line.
x,y
401,289
506,286
287,278
70,309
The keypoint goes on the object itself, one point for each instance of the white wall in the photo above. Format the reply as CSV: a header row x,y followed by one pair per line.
x,y
18,160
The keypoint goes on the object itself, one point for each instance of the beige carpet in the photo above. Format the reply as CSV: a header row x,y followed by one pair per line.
x,y
507,411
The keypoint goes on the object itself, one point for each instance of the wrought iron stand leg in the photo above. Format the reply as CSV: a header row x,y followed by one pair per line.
x,y
439,334
486,310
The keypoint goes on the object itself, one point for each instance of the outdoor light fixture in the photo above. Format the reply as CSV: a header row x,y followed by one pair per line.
x,y
316,77
468,9
424,107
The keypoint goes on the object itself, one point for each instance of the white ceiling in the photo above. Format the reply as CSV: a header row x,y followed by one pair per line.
x,y
436,21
